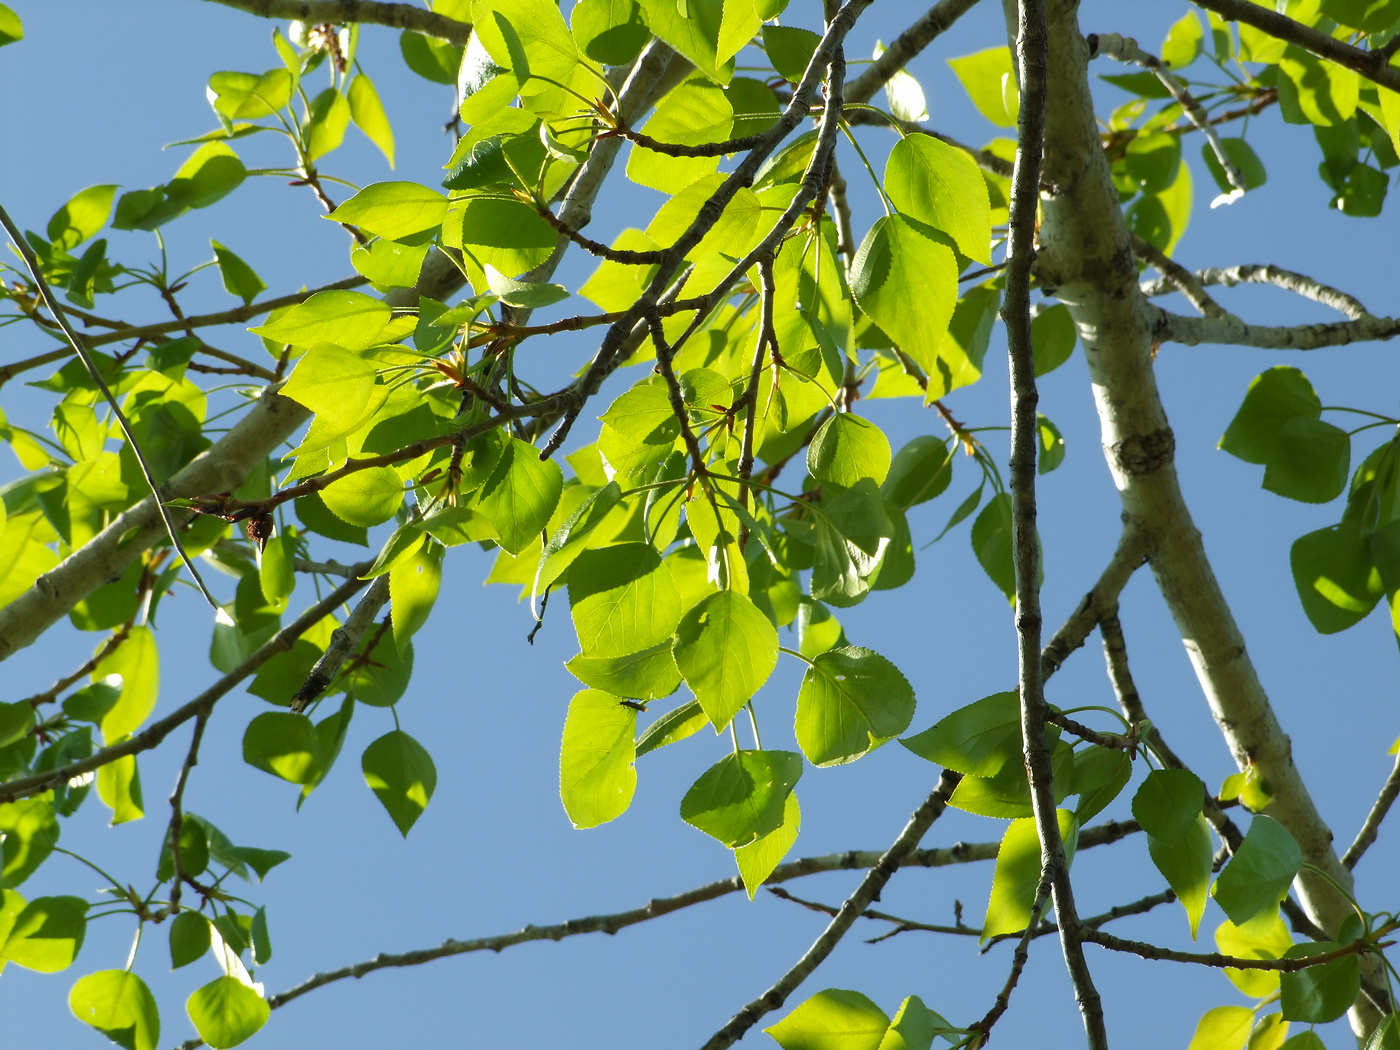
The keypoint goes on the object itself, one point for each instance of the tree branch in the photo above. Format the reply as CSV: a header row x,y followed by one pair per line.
x,y
154,733
919,823
1177,278
1030,46
82,350
1370,64
1372,825
1232,331
1298,283
1215,959
1126,50
935,21
343,640
365,12
237,315
1086,254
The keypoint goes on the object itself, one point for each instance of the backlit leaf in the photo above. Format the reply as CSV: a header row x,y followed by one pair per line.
x,y
401,774
596,772
852,700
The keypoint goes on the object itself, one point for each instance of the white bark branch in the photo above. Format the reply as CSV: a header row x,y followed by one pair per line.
x,y
1125,49
1231,330
1288,280
1086,256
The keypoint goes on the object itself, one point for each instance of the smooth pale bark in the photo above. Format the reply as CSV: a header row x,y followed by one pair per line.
x,y
1086,260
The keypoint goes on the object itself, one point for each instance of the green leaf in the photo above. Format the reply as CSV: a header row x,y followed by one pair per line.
x,y
1183,42
623,599
646,675
1320,993
1258,876
1337,580
726,649
85,213
284,744
366,497
1017,873
1370,16
989,79
992,542
693,31
846,449
393,210
790,50
248,96
15,721
1008,794
382,679
413,588
119,788
852,537
349,320
673,726
138,664
610,32
1100,774
520,496
368,114
401,773
434,60
1152,160
1310,461
226,1012
568,541
47,934
1168,803
897,254
502,232
942,187
1053,335
1275,398
1254,940
528,37
314,514
743,796
11,28
324,128
120,1006
920,471
389,263
758,859
1052,446
1185,862
194,852
189,938
852,700
524,295
211,173
833,1019
978,740
596,773
1223,1028
903,93
276,577
1386,1036
696,113
239,278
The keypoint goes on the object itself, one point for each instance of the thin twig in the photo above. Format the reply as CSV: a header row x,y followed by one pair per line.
x,y
919,823
1372,825
1361,946
177,814
1179,277
1018,959
1288,280
1125,49
154,733
934,22
1373,65
237,315
81,349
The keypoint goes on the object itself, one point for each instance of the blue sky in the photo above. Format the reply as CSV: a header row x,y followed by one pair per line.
x,y
92,95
